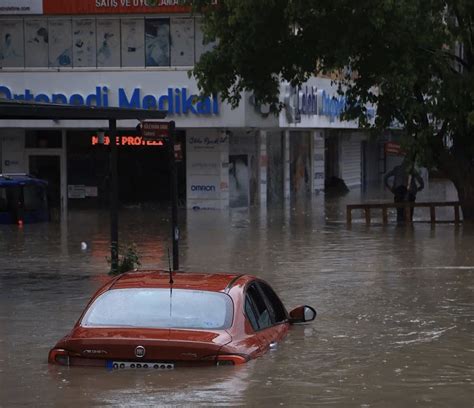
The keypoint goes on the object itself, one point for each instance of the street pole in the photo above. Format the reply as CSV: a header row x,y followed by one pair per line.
x,y
174,196
113,197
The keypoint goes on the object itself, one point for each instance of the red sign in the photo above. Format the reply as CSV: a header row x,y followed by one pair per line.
x,y
128,141
114,6
155,130
393,148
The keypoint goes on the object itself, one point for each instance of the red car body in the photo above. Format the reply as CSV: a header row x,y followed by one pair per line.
x,y
257,321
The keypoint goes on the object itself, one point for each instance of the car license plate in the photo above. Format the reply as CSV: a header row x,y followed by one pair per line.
x,y
117,365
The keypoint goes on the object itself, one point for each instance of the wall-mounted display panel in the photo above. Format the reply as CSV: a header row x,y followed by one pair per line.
x,y
133,50
60,42
108,42
36,43
12,53
182,41
157,42
84,43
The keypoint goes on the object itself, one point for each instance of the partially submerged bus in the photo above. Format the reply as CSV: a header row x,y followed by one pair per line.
x,y
23,199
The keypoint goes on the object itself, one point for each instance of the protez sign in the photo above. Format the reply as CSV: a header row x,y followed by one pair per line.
x,y
155,130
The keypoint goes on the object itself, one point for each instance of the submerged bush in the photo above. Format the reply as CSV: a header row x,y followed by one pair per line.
x,y
128,260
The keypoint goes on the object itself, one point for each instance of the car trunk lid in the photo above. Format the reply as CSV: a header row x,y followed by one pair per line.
x,y
132,344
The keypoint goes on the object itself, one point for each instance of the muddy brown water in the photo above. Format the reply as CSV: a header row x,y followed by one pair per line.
x,y
396,309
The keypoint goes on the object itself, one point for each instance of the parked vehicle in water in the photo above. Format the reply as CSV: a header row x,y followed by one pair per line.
x,y
162,320
23,199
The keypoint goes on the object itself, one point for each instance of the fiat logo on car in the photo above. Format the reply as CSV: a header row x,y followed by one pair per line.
x,y
140,351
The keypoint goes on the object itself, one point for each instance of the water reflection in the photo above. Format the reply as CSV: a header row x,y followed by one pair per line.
x,y
395,324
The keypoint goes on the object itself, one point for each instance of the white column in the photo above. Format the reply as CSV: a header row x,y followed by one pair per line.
x,y
318,161
263,167
286,165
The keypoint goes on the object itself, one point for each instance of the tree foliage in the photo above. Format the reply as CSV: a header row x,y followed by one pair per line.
x,y
413,59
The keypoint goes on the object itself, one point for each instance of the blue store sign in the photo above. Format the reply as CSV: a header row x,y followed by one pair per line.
x,y
177,101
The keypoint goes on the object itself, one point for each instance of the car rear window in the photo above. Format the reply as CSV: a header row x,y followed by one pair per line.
x,y
160,308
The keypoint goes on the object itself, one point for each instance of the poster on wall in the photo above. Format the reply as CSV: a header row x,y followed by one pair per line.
x,y
60,43
21,7
11,43
108,43
84,45
238,180
133,52
157,42
36,43
182,41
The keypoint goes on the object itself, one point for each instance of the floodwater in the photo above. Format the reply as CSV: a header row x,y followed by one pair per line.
x,y
395,325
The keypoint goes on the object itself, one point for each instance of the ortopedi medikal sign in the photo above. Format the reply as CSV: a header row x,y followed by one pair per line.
x,y
177,101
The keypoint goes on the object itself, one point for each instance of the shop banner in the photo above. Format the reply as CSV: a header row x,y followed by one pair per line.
x,y
113,6
22,7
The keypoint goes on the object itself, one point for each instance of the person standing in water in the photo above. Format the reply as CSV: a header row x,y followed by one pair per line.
x,y
405,185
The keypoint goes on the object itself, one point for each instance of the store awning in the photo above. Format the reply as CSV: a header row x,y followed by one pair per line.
x,y
22,110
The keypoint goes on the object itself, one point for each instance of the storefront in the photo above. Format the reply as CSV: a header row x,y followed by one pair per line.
x,y
338,150
220,146
137,55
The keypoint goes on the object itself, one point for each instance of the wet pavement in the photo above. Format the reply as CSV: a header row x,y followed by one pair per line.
x,y
396,308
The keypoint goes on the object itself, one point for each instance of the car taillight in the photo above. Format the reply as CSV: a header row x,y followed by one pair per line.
x,y
230,359
58,356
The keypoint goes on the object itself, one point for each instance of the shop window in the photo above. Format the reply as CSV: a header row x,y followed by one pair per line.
x,y
84,43
12,47
182,41
60,43
43,139
157,42
36,43
133,47
108,43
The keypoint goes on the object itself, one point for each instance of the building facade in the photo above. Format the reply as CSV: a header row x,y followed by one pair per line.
x,y
138,54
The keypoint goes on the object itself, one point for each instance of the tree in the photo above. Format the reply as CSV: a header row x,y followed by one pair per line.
x,y
412,59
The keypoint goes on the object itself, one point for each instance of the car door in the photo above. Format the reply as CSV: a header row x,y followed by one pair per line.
x,y
267,318
278,313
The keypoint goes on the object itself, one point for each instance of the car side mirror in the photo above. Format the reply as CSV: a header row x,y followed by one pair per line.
x,y
302,314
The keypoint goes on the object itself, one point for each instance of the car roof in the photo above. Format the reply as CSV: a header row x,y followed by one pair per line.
x,y
216,282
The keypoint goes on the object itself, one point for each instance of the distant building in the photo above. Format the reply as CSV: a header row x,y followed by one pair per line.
x,y
133,55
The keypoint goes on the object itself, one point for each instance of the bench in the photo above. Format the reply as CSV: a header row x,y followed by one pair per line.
x,y
406,205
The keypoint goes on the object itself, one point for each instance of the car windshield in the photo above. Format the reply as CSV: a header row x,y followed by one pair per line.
x,y
160,308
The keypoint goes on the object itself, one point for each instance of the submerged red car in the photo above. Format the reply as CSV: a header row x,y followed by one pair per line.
x,y
163,320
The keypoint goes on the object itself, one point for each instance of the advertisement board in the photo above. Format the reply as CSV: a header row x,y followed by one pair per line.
x,y
113,6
